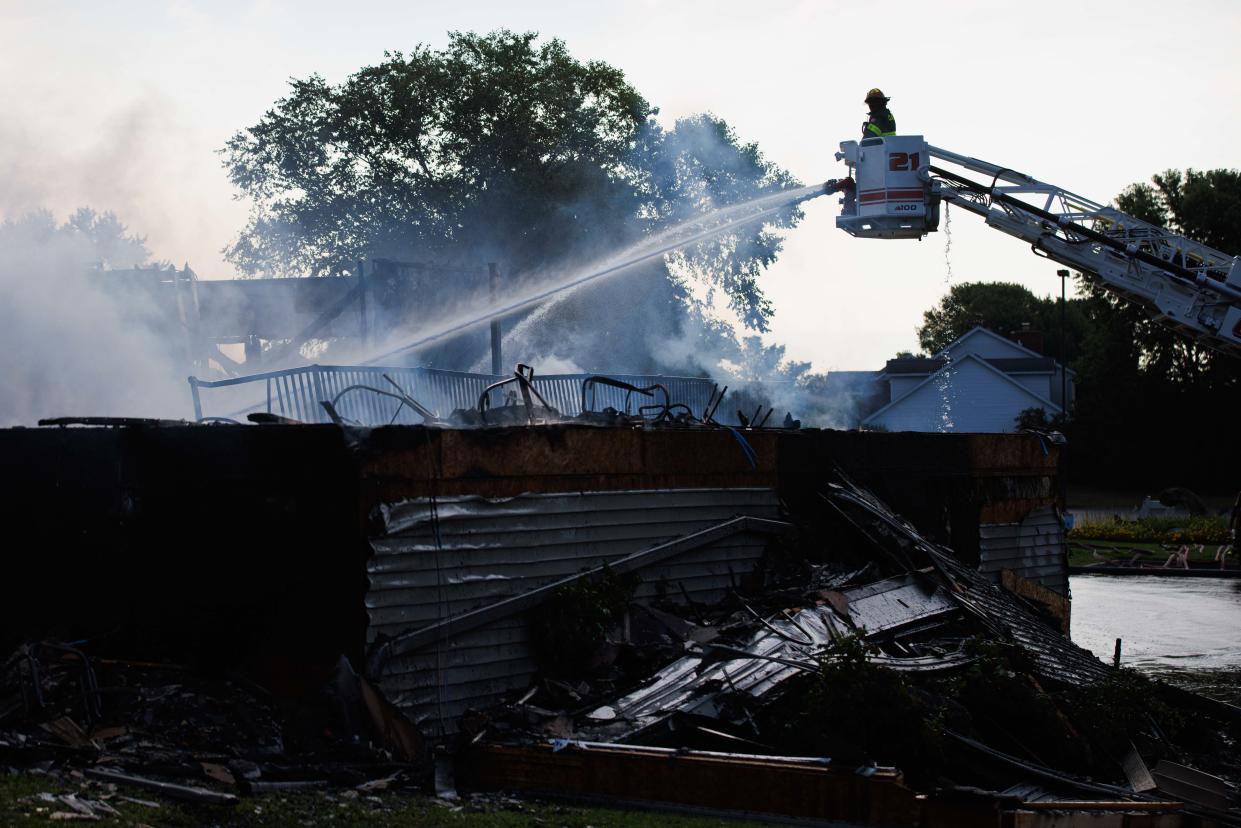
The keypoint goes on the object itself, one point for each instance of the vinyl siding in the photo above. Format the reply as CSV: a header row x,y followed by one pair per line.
x,y
487,550
1033,549
986,345
974,399
903,385
1038,383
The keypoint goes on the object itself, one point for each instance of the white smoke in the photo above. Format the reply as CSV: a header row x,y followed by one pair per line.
x,y
67,345
140,157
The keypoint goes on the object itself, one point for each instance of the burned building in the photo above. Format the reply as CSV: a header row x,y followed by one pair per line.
x,y
461,571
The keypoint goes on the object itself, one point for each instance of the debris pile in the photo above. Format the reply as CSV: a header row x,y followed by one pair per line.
x,y
522,403
885,655
176,733
859,672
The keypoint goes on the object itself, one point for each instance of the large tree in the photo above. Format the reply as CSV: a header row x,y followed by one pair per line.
x,y
1205,205
1004,307
496,148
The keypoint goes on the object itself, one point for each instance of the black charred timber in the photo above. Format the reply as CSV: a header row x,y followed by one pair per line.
x,y
216,546
497,341
109,421
265,418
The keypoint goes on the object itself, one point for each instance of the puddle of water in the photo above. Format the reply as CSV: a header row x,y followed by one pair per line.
x,y
1185,630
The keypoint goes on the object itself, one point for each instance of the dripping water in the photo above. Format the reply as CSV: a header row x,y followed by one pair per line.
x,y
943,379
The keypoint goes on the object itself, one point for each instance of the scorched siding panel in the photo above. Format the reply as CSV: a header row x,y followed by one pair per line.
x,y
489,550
1033,549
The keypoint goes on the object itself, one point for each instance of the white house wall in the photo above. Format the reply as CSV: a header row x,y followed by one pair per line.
x,y
987,345
900,386
1038,383
975,399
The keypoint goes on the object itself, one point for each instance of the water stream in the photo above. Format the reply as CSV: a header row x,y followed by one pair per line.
x,y
675,238
534,291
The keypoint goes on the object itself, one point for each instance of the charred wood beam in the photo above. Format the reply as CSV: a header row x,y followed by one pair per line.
x,y
230,365
136,422
278,355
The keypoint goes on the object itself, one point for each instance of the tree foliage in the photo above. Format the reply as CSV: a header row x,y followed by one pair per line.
x,y
856,712
1004,307
1205,206
496,148
88,237
1140,379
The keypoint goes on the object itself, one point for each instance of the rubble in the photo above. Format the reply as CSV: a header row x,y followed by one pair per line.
x,y
911,661
673,616
188,736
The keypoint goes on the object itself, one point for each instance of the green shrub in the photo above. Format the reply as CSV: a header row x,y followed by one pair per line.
x,y
1198,529
1005,707
570,629
857,711
1119,711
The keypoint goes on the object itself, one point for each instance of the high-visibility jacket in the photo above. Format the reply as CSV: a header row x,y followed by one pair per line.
x,y
881,124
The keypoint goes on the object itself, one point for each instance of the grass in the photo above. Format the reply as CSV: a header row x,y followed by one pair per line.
x,y
1152,551
20,807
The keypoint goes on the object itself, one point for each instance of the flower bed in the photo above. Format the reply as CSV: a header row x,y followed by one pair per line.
x,y
1201,529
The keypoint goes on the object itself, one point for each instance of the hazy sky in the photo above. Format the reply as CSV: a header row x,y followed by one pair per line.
x,y
122,106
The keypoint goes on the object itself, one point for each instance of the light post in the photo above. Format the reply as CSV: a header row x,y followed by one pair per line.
x,y
1061,470
1064,357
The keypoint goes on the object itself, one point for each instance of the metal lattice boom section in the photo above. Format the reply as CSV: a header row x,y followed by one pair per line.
x,y
1184,284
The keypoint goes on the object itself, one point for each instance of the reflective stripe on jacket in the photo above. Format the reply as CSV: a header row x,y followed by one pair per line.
x,y
880,125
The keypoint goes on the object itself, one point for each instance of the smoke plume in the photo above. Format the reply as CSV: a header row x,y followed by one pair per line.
x,y
67,345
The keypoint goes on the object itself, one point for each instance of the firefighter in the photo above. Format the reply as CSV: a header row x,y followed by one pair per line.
x,y
880,124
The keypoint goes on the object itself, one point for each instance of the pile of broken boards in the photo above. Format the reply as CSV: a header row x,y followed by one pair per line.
x,y
898,688
164,731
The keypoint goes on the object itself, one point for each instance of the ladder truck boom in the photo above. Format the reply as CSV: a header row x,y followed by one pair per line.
x,y
897,185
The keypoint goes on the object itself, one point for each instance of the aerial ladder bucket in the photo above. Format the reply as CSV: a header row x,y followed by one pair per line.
x,y
896,184
892,196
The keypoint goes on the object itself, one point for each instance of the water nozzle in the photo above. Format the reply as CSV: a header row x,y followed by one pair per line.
x,y
837,185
